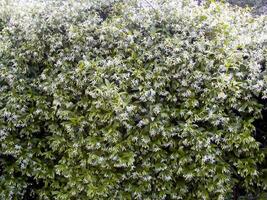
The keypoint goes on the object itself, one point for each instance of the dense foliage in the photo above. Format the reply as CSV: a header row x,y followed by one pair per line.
x,y
130,100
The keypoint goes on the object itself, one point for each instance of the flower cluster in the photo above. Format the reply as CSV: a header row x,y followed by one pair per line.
x,y
128,99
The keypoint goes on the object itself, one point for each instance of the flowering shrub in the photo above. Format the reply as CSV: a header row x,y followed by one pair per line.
x,y
129,99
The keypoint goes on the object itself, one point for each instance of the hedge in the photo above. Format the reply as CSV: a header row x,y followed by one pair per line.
x,y
120,99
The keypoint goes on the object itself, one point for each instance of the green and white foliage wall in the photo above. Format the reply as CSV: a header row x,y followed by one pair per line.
x,y
130,99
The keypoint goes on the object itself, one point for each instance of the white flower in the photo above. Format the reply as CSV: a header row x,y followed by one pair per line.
x,y
222,95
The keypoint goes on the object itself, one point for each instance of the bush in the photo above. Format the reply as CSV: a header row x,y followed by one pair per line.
x,y
129,100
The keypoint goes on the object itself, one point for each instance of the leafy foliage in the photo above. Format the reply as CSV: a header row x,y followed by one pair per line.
x,y
129,99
